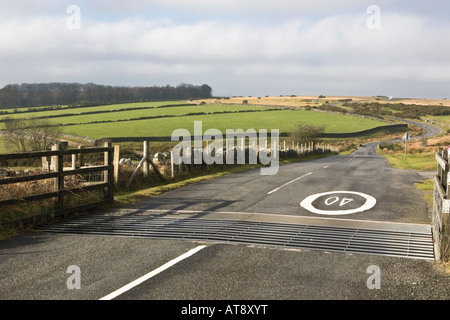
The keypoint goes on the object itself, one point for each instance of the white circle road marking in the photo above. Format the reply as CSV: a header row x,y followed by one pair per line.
x,y
307,203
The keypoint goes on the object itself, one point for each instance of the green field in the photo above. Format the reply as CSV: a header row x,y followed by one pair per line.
x,y
66,110
154,112
441,119
125,123
284,120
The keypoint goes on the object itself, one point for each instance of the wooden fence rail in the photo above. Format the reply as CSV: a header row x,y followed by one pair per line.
x,y
441,206
58,173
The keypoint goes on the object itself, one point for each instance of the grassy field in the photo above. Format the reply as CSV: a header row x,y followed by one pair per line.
x,y
66,110
7,147
154,112
284,120
441,119
221,114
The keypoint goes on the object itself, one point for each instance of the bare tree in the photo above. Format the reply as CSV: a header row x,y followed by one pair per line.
x,y
15,132
305,133
42,134
33,134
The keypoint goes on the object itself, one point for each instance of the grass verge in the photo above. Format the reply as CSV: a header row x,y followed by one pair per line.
x,y
426,186
419,161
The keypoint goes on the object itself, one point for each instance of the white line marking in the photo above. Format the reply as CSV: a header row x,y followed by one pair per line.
x,y
307,203
326,167
152,273
275,190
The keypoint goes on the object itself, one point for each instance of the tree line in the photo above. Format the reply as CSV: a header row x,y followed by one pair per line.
x,y
49,94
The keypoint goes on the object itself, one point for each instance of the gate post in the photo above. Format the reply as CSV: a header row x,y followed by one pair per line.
x,y
109,174
146,155
58,166
441,208
116,164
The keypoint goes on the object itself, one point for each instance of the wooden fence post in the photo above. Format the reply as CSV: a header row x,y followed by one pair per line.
x,y
81,156
180,165
74,161
207,152
108,174
58,166
106,161
45,164
191,155
145,168
171,164
54,160
116,164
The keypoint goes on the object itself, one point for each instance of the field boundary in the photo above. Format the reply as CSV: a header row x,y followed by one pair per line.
x,y
387,128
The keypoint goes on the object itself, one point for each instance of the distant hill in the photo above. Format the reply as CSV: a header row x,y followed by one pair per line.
x,y
47,94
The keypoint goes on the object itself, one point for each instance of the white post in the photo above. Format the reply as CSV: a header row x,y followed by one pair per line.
x,y
171,163
54,159
146,156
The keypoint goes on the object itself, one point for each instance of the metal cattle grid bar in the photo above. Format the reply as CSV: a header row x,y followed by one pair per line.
x,y
329,238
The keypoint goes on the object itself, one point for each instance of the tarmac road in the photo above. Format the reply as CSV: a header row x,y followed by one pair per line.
x,y
37,265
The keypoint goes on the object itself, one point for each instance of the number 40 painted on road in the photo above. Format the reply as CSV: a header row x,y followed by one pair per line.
x,y
333,200
340,197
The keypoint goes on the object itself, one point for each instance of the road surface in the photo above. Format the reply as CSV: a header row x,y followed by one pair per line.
x,y
254,237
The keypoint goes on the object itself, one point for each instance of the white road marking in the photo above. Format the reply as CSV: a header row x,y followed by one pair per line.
x,y
326,167
276,189
307,203
152,273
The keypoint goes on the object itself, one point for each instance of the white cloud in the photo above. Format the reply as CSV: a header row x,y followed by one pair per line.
x,y
333,51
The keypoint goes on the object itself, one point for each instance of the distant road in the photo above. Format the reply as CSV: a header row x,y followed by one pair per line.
x,y
430,131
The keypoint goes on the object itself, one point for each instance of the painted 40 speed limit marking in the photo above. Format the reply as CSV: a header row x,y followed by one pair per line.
x,y
337,201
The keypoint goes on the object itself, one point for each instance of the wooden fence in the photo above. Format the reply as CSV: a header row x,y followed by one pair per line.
x,y
441,207
285,150
65,166
58,172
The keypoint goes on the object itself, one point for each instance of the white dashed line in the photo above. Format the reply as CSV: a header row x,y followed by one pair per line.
x,y
152,273
275,190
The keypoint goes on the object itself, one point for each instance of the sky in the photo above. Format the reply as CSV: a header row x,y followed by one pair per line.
x,y
393,48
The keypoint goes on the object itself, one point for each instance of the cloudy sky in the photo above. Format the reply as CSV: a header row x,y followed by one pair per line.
x,y
394,48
